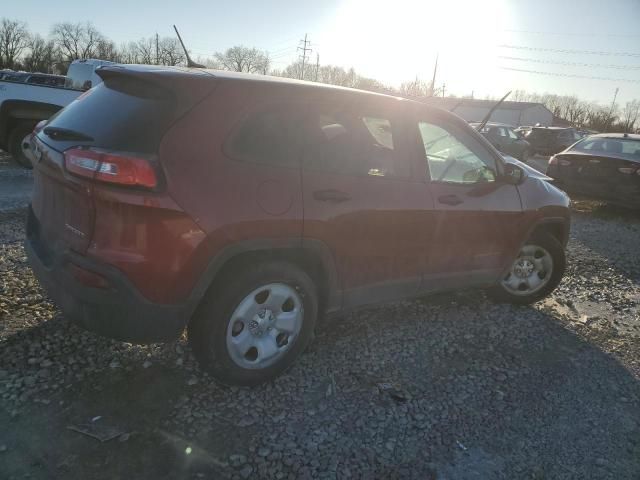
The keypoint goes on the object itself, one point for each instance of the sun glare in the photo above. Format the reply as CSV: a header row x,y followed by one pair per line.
x,y
399,43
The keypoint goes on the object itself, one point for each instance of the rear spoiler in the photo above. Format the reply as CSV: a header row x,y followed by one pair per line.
x,y
186,86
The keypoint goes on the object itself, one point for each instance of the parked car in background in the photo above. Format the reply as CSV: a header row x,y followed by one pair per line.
x,y
506,140
27,98
550,140
33,78
604,166
169,197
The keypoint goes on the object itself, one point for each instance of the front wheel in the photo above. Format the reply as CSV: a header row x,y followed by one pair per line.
x,y
254,326
534,274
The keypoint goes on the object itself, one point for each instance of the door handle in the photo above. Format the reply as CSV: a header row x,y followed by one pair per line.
x,y
450,199
331,195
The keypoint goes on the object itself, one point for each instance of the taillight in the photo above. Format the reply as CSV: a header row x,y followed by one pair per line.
x,y
110,167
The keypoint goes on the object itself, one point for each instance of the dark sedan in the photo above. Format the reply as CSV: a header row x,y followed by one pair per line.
x,y
605,166
506,140
550,140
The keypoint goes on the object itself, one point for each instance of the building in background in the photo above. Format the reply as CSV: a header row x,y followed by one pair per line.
x,y
511,113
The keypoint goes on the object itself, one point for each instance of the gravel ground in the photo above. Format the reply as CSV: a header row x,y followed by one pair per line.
x,y
447,387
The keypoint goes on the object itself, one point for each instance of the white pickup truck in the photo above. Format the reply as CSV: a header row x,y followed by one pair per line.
x,y
23,105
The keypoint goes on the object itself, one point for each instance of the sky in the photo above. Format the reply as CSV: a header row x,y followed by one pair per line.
x,y
397,40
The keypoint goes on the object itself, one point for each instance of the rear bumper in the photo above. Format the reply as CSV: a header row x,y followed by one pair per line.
x,y
625,195
119,311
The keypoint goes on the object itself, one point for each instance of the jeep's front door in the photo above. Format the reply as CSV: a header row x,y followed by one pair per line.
x,y
359,198
478,219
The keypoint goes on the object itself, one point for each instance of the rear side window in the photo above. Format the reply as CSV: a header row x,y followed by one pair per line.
x,y
352,142
268,137
120,114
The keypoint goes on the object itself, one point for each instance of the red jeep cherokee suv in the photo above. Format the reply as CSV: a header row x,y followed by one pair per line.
x,y
244,207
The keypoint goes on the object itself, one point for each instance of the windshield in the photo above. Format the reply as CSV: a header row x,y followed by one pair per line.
x,y
617,146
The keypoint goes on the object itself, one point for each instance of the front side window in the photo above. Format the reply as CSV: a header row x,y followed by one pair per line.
x,y
348,142
454,157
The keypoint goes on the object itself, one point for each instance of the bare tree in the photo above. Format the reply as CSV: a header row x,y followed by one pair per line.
x,y
106,50
76,40
14,38
416,88
629,115
145,51
244,59
170,51
41,56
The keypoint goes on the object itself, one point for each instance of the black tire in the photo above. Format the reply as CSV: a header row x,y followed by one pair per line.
x,y
208,328
547,241
14,144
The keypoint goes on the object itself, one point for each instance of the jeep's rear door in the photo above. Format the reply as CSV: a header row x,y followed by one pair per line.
x,y
359,198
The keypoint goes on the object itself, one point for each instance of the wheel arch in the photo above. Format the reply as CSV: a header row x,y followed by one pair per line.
x,y
556,227
310,255
13,112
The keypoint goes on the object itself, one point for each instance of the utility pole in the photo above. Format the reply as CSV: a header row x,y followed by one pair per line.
x,y
433,80
317,66
304,49
613,105
157,50
444,85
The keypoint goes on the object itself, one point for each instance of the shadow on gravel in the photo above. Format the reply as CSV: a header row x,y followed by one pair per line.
x,y
447,387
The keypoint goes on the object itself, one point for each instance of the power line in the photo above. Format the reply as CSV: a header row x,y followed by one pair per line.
x,y
572,64
304,49
574,34
555,74
559,50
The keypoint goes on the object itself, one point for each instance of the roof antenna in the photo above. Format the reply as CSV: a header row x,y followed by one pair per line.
x,y
190,63
493,109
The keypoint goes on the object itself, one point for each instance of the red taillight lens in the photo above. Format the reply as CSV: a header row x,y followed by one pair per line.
x,y
110,167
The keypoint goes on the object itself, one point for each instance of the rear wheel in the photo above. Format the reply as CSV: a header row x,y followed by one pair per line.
x,y
253,327
534,274
15,141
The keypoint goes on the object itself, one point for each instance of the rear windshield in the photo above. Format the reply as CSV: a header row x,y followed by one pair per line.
x,y
119,114
617,146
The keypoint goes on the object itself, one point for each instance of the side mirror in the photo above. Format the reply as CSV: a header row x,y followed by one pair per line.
x,y
513,174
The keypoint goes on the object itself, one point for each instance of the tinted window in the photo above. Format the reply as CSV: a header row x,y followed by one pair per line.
x,y
266,137
512,134
351,142
454,157
117,114
502,132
